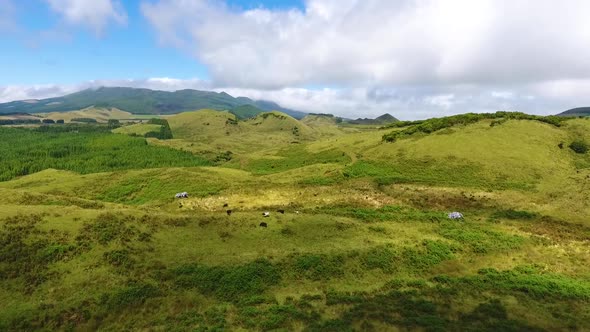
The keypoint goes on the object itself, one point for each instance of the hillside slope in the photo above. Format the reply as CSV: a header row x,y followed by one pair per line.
x,y
357,235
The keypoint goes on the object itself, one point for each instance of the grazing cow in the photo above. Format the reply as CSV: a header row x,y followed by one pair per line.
x,y
228,212
455,215
225,205
297,212
281,211
181,195
263,224
266,214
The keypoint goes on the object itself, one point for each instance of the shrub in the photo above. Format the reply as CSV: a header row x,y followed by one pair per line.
x,y
134,293
579,147
379,258
430,254
514,214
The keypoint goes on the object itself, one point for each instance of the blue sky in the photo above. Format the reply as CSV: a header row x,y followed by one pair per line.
x,y
411,58
78,54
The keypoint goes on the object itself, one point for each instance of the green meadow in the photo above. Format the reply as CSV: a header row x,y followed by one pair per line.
x,y
358,237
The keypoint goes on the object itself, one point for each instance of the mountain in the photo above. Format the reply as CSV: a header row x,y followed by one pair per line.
x,y
578,111
383,119
142,101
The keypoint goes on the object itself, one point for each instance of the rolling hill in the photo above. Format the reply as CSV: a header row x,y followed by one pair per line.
x,y
145,101
357,238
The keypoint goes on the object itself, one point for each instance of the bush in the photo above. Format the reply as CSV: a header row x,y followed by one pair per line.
x,y
579,147
135,293
379,258
514,214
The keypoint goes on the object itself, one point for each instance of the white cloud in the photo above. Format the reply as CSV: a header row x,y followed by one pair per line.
x,y
381,42
23,92
95,14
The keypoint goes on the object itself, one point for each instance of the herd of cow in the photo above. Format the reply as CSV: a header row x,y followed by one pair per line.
x,y
452,215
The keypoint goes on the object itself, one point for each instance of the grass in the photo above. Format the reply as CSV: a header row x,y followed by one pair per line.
x,y
364,242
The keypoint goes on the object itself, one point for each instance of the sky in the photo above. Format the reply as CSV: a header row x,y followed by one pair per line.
x,y
413,59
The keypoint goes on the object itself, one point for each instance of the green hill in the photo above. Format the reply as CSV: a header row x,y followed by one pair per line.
x,y
357,238
380,120
141,101
579,111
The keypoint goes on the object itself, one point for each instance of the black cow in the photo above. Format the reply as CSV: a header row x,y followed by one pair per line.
x,y
263,224
281,211
228,212
225,205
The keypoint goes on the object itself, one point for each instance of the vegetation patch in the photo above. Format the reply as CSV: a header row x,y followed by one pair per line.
x,y
579,147
527,281
316,266
514,214
107,227
380,258
386,213
135,293
228,283
428,172
480,240
295,157
164,133
429,254
26,151
26,252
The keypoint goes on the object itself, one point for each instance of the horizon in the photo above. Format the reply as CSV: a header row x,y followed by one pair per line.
x,y
411,59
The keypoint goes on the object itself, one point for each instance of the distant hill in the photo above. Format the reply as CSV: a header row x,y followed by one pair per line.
x,y
145,101
578,111
383,119
246,111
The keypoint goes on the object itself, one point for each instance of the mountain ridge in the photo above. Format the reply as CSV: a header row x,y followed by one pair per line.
x,y
577,111
143,101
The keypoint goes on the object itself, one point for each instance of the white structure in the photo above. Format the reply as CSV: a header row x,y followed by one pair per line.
x,y
455,215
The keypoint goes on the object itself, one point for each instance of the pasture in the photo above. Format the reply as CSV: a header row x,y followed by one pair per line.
x,y
364,243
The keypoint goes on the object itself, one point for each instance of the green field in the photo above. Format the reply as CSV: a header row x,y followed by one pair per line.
x,y
91,236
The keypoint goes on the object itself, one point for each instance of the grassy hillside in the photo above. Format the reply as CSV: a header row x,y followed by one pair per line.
x,y
363,242
139,129
99,114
